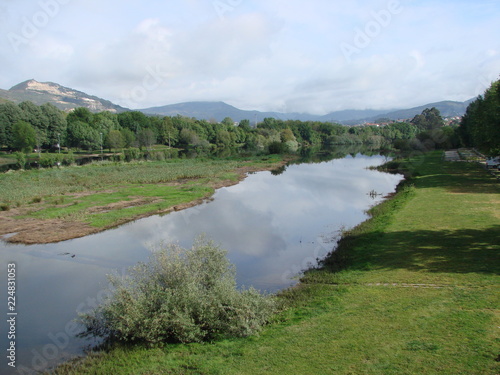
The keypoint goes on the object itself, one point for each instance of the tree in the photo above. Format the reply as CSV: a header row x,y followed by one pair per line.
x,y
429,119
228,121
146,138
104,122
480,126
134,121
9,115
57,125
188,137
224,139
80,114
115,139
287,135
82,135
167,132
24,136
128,138
34,115
245,125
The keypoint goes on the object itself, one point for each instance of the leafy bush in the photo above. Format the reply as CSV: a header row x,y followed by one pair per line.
x,y
47,160
277,148
179,296
118,157
171,153
132,154
69,159
20,160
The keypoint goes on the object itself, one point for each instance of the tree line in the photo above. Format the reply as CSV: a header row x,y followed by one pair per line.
x,y
480,126
26,126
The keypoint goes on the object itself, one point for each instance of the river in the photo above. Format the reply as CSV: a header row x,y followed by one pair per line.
x,y
273,226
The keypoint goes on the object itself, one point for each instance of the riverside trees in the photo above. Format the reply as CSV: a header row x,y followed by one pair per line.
x,y
91,131
480,127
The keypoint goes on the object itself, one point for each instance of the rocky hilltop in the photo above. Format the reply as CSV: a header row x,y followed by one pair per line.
x,y
62,97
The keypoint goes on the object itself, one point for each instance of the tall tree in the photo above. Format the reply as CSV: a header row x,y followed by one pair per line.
x,y
24,136
115,139
9,115
128,138
146,138
82,135
480,126
80,114
57,125
34,115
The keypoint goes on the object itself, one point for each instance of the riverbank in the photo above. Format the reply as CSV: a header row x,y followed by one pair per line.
x,y
53,205
417,292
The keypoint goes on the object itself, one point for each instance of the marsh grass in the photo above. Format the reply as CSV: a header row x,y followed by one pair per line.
x,y
92,193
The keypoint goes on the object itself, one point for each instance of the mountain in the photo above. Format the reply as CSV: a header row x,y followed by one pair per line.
x,y
66,99
62,97
219,110
447,109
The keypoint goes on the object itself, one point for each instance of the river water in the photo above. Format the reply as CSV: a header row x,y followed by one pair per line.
x,y
273,226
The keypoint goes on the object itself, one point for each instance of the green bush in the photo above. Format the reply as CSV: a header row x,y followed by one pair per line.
x,y
118,157
21,160
277,148
179,296
47,160
132,154
171,153
69,158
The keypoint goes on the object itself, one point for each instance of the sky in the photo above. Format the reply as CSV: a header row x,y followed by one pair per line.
x,y
314,56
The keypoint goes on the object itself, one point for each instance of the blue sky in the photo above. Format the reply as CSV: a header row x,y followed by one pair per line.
x,y
316,56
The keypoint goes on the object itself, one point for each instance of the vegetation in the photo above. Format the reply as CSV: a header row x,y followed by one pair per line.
x,y
416,292
480,126
413,290
180,296
50,128
94,195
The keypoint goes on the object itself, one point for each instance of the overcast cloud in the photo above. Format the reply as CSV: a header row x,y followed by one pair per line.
x,y
316,56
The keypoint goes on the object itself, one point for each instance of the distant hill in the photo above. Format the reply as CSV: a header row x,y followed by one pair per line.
x,y
66,99
216,111
219,110
447,109
62,97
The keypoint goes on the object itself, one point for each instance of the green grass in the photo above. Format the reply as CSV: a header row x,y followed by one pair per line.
x,y
417,292
87,193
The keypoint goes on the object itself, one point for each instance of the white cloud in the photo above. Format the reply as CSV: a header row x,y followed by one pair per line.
x,y
265,55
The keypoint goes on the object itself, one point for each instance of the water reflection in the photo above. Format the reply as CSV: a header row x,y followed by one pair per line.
x,y
273,226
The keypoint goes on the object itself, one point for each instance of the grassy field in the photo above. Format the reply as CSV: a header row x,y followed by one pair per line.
x,y
417,293
36,203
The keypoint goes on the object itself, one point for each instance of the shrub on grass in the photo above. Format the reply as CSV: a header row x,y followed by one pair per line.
x,y
69,159
47,160
132,154
180,296
118,158
21,160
